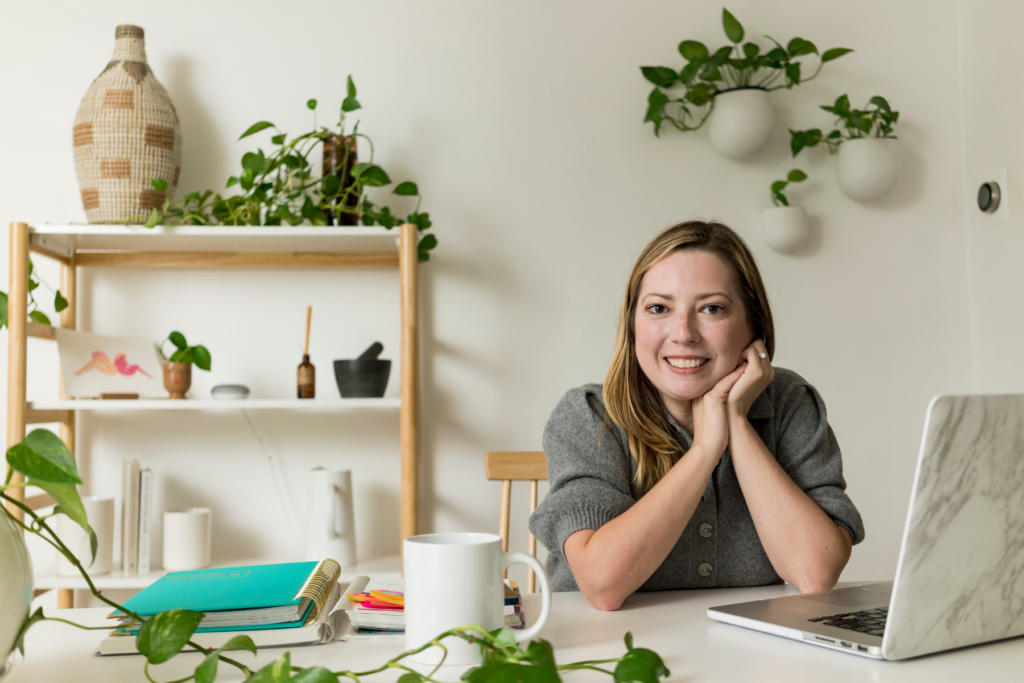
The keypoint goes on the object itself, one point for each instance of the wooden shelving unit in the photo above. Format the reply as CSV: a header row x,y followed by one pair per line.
x,y
192,247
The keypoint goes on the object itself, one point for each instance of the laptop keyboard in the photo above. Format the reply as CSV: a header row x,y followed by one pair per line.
x,y
868,621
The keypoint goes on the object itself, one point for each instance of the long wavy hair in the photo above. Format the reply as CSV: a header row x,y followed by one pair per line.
x,y
630,398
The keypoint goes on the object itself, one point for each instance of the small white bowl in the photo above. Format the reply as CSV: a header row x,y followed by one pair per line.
x,y
229,392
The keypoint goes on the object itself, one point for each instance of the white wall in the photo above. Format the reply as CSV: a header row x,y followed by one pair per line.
x,y
521,122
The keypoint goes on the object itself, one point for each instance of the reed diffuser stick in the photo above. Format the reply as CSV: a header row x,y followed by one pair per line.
x,y
309,316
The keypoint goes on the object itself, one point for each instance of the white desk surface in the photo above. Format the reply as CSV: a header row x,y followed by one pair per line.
x,y
673,624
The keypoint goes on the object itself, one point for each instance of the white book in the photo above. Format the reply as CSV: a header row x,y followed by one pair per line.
x,y
145,517
130,517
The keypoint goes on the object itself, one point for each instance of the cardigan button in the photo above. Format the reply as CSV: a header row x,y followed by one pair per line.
x,y
706,530
704,569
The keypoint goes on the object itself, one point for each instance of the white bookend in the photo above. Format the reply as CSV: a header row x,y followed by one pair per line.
x,y
130,517
145,517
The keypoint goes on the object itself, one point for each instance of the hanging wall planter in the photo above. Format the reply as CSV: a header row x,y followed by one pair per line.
x,y
742,122
733,83
868,167
785,227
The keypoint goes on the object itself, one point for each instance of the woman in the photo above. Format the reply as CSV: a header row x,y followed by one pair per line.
x,y
697,464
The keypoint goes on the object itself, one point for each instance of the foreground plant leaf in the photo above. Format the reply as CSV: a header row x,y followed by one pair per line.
x,y
162,636
511,673
277,671
640,666
207,671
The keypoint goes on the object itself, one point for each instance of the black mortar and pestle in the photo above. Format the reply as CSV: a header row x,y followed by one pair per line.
x,y
365,376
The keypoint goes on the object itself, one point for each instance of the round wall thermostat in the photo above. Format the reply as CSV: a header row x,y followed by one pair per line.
x,y
988,196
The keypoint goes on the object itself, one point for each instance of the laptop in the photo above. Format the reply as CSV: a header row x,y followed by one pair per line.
x,y
960,576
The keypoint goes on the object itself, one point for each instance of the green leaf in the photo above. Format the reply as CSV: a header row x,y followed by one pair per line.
x,y
52,461
834,53
154,219
751,50
777,54
3,310
314,674
880,102
629,640
689,71
311,104
331,185
59,302
278,139
178,339
19,641
160,185
733,28
32,284
406,678
406,189
842,105
69,503
661,76
350,104
426,244
511,673
277,671
793,72
640,666
256,128
780,199
233,180
370,175
540,653
201,357
797,176
799,46
835,135
162,636
700,94
181,356
778,186
691,50
253,161
39,317
421,221
207,671
351,87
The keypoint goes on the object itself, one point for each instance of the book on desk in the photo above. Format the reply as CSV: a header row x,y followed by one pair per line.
x,y
277,605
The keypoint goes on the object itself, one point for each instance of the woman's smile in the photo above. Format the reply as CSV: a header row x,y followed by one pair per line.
x,y
687,365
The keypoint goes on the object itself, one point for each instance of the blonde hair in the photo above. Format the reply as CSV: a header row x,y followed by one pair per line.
x,y
630,398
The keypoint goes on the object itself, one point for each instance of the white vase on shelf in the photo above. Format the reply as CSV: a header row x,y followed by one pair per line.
x,y
867,168
785,228
741,122
15,587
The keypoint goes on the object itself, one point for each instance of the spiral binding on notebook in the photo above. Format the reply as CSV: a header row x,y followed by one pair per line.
x,y
318,587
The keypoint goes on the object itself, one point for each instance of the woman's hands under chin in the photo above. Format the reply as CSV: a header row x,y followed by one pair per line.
x,y
757,373
710,414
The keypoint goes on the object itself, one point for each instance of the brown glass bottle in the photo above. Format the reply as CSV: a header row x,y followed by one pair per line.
x,y
307,378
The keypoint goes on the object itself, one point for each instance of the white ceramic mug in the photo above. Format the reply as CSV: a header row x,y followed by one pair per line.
x,y
187,539
100,512
455,580
330,527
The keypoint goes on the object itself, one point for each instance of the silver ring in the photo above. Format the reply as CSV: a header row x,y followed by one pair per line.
x,y
762,356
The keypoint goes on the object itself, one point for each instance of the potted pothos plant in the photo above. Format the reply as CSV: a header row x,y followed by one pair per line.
x,y
45,462
734,82
178,367
785,226
280,187
863,139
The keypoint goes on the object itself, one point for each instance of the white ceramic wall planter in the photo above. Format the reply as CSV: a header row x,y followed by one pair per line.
x,y
15,587
741,122
785,228
868,167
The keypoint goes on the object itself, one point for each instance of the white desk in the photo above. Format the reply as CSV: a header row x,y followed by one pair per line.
x,y
673,624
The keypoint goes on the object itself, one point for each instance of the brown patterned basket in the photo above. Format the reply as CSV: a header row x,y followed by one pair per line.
x,y
126,133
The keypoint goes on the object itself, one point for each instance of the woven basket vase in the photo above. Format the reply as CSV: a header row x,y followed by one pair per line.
x,y
126,133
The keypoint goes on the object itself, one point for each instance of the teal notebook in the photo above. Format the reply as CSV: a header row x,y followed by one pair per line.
x,y
262,596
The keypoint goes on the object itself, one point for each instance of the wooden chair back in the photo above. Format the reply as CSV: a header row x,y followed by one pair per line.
x,y
509,466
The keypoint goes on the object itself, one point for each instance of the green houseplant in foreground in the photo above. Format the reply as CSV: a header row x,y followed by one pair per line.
x,y
685,98
279,187
45,462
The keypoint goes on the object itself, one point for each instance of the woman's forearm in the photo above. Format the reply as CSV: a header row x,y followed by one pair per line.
x,y
804,545
611,563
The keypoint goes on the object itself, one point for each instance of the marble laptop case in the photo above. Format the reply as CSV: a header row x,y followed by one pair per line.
x,y
960,576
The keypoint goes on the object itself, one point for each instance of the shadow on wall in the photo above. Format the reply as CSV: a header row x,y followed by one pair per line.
x,y
204,158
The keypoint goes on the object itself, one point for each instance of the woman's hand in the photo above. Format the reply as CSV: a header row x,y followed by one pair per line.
x,y
757,373
710,415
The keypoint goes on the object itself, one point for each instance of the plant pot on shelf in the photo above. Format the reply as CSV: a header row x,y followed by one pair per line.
x,y
785,228
741,122
868,167
177,379
15,587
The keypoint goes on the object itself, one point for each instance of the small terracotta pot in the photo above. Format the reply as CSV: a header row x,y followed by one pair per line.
x,y
177,378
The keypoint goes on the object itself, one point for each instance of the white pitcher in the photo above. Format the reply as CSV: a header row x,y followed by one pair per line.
x,y
330,528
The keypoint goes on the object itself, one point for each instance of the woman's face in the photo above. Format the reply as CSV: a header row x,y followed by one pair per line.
x,y
691,325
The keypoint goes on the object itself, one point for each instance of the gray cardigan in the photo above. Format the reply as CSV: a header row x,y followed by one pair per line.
x,y
592,483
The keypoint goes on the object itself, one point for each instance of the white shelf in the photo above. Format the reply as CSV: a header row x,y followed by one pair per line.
x,y
305,405
67,239
46,578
